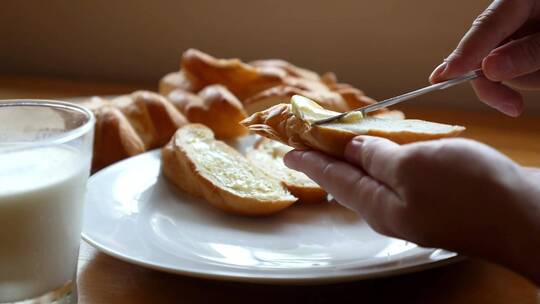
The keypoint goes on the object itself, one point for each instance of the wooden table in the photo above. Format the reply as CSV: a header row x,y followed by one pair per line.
x,y
103,279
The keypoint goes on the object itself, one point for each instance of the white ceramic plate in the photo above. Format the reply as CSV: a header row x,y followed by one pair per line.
x,y
134,214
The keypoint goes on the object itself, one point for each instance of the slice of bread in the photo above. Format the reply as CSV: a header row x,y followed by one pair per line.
x,y
268,155
281,124
203,166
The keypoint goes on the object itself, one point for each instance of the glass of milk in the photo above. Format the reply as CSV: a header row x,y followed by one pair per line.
x,y
45,155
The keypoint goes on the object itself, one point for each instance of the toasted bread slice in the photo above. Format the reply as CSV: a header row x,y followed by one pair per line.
x,y
214,107
268,155
281,123
203,166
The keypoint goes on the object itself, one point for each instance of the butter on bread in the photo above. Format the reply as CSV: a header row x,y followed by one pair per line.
x,y
280,123
215,107
268,155
201,165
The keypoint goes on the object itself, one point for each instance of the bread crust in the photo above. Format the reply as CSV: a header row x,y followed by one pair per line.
x,y
183,170
269,158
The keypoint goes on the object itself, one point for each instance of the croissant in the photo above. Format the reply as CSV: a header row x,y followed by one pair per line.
x,y
215,107
177,80
262,83
114,138
242,79
340,101
289,68
131,124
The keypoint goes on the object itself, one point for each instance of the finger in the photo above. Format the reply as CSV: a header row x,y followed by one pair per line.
x,y
530,27
499,96
350,187
526,82
501,19
334,176
377,156
514,59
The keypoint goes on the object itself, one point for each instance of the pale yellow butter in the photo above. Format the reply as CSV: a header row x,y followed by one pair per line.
x,y
310,111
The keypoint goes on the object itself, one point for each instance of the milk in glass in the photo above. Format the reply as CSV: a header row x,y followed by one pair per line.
x,y
41,196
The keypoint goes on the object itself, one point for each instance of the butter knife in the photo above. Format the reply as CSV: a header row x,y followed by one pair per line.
x,y
397,99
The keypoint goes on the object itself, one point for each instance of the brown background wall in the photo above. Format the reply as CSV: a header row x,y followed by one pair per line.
x,y
384,47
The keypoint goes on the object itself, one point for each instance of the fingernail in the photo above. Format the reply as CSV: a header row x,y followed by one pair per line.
x,y
358,140
509,109
438,72
498,67
353,146
290,158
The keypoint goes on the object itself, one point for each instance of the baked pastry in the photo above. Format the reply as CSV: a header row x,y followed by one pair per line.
x,y
289,68
340,101
215,107
203,166
131,124
177,80
268,156
335,97
153,117
242,79
114,137
291,124
262,83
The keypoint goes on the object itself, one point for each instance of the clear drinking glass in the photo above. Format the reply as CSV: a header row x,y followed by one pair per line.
x,y
45,156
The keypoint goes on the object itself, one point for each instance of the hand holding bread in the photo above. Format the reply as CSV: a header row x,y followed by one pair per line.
x,y
281,123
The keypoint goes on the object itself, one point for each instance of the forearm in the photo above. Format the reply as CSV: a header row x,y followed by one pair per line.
x,y
523,254
532,172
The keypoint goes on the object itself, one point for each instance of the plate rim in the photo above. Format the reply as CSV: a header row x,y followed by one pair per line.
x,y
227,277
